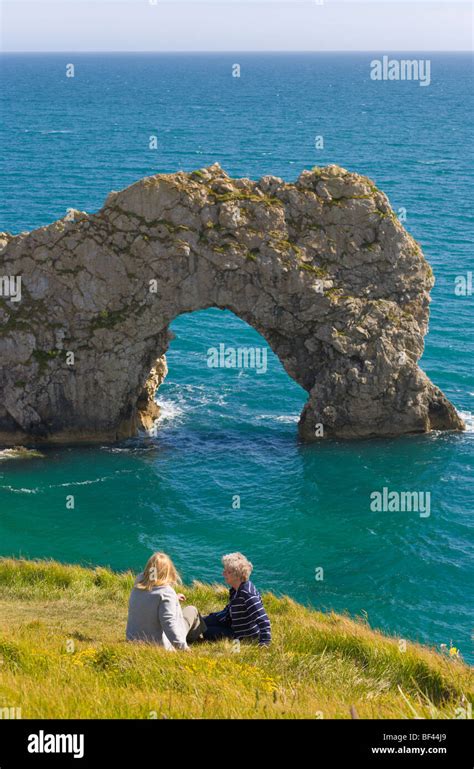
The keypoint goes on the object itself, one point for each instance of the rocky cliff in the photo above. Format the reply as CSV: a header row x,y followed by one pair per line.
x,y
322,268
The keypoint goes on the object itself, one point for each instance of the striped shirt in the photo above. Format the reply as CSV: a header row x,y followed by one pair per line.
x,y
245,614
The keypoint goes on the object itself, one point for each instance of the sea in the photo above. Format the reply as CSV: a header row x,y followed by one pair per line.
x,y
226,470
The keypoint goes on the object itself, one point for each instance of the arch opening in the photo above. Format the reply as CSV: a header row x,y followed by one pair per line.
x,y
219,373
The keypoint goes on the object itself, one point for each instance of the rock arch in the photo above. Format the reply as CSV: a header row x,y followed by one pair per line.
x,y
321,268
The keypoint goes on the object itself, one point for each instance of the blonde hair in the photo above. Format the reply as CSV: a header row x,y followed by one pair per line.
x,y
159,570
237,564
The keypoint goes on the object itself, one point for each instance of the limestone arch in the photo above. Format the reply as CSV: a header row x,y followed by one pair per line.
x,y
322,269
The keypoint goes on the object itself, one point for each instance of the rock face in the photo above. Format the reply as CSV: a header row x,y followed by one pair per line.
x,y
147,408
321,268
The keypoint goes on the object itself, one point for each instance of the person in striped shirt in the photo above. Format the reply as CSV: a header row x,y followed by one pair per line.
x,y
244,616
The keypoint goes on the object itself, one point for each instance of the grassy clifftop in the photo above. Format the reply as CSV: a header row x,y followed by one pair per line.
x,y
63,655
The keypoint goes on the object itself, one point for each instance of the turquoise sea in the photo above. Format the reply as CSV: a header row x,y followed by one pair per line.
x,y
225,432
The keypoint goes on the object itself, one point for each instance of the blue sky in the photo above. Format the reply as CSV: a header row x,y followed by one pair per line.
x,y
236,25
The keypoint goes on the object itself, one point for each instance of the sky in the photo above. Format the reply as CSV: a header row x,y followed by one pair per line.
x,y
236,25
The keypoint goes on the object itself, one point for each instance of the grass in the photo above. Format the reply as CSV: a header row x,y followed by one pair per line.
x,y
63,655
108,319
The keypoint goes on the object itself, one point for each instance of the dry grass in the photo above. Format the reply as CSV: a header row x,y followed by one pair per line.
x,y
63,655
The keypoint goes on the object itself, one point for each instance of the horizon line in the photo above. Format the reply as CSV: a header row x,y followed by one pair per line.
x,y
290,51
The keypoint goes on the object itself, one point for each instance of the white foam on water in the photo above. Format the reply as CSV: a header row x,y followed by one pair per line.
x,y
46,131
433,162
19,491
468,418
286,418
81,483
188,398
18,454
170,410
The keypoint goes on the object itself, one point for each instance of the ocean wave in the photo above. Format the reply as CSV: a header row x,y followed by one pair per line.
x,y
19,491
286,418
58,485
468,418
80,483
188,398
19,453
433,162
46,131
170,410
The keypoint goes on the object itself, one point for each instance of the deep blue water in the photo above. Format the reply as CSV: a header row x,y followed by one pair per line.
x,y
68,142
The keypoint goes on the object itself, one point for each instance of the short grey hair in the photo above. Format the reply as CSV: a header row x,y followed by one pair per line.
x,y
238,564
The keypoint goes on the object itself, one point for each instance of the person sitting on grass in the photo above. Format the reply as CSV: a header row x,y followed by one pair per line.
x,y
244,617
154,611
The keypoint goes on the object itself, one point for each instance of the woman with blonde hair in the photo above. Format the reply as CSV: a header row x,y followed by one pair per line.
x,y
154,611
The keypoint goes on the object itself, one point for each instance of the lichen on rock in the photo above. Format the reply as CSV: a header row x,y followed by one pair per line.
x,y
322,268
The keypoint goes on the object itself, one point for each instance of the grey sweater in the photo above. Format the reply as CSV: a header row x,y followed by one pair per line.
x,y
155,616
